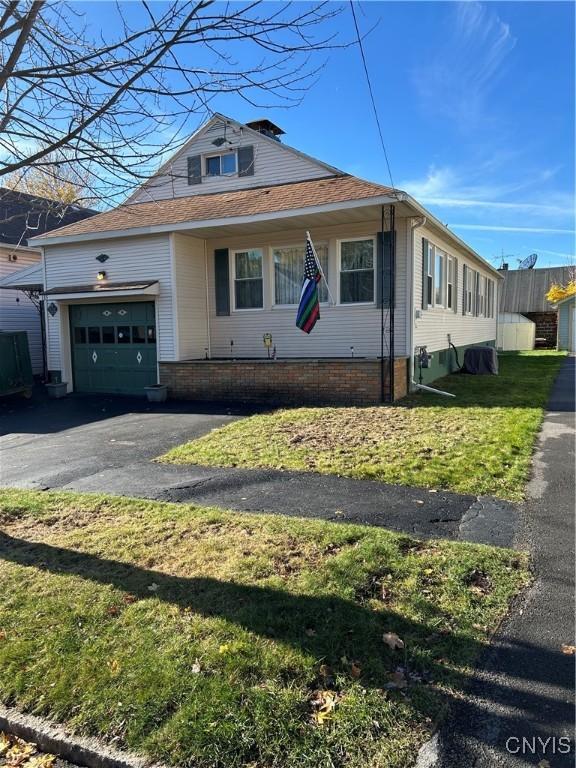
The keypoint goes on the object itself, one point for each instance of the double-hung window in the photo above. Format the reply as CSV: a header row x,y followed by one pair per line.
x,y
450,283
439,277
357,270
468,289
248,279
221,165
289,272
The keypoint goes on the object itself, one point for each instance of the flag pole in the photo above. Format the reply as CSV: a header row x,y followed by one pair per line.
x,y
320,268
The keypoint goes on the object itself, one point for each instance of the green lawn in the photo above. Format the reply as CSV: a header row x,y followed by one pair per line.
x,y
481,442
213,639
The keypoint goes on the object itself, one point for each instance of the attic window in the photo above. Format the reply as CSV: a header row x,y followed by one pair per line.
x,y
221,165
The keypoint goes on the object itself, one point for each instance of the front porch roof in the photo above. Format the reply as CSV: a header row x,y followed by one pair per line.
x,y
103,289
204,215
27,279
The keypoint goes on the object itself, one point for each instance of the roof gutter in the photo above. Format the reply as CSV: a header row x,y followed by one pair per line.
x,y
436,222
220,222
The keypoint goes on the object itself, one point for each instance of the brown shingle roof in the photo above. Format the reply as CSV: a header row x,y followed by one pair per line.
x,y
220,205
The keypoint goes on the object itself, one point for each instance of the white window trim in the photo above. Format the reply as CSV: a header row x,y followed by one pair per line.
x,y
451,265
271,250
339,270
232,271
220,175
440,254
430,276
470,288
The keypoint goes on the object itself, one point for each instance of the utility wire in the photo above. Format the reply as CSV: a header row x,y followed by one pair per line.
x,y
359,39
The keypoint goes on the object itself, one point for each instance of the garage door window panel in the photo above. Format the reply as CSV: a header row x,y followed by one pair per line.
x,y
123,334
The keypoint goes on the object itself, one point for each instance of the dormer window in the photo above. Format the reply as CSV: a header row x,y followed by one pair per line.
x,y
221,165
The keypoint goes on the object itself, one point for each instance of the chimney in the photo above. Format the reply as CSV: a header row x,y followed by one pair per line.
x,y
266,128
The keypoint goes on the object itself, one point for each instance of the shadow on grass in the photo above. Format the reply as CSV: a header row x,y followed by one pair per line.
x,y
341,627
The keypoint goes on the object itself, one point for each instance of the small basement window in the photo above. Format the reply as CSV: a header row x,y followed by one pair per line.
x,y
221,165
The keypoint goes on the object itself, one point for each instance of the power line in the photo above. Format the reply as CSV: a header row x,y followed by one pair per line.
x,y
359,39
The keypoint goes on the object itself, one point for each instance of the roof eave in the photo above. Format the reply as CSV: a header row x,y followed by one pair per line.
x,y
220,222
430,217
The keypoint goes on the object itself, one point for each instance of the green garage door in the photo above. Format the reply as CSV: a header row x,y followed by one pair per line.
x,y
113,347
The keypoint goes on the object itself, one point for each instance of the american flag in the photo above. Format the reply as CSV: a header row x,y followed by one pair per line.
x,y
309,307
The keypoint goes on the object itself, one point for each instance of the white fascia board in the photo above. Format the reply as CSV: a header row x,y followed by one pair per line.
x,y
152,290
445,230
222,222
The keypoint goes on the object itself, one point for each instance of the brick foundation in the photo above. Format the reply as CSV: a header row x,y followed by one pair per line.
x,y
292,382
546,327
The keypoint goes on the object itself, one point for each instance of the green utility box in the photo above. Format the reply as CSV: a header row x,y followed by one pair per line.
x,y
15,365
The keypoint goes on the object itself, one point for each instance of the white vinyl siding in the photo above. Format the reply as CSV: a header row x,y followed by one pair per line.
x,y
273,164
136,258
432,326
190,289
17,312
340,327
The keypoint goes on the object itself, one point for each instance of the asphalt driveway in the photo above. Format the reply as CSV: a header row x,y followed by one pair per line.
x,y
106,444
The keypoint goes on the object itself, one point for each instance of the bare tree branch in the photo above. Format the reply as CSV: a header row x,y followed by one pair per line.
x,y
117,103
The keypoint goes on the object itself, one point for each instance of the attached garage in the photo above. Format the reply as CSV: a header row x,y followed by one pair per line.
x,y
113,347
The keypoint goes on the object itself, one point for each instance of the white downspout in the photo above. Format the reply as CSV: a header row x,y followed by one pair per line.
x,y
416,224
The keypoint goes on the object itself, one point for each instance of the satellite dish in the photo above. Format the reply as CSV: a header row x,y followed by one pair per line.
x,y
528,262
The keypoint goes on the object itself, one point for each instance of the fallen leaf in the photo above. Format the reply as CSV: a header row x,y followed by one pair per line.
x,y
41,761
392,640
569,650
310,632
543,764
355,670
324,704
2,634
114,666
397,679
153,587
196,668
128,599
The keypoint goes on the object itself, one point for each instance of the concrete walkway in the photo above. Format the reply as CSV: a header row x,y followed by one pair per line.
x,y
520,710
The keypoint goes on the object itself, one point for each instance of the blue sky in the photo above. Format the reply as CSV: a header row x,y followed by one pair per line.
x,y
476,102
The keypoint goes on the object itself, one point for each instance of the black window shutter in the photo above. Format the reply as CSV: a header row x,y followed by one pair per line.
x,y
195,169
465,278
424,273
246,161
383,264
222,281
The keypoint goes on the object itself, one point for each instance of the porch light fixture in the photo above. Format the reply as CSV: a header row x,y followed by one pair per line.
x,y
101,275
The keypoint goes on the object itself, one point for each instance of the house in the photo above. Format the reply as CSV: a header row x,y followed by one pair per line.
x,y
21,217
567,323
524,291
194,282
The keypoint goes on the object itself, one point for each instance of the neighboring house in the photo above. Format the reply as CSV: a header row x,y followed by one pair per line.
x,y
524,291
181,284
21,217
567,323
